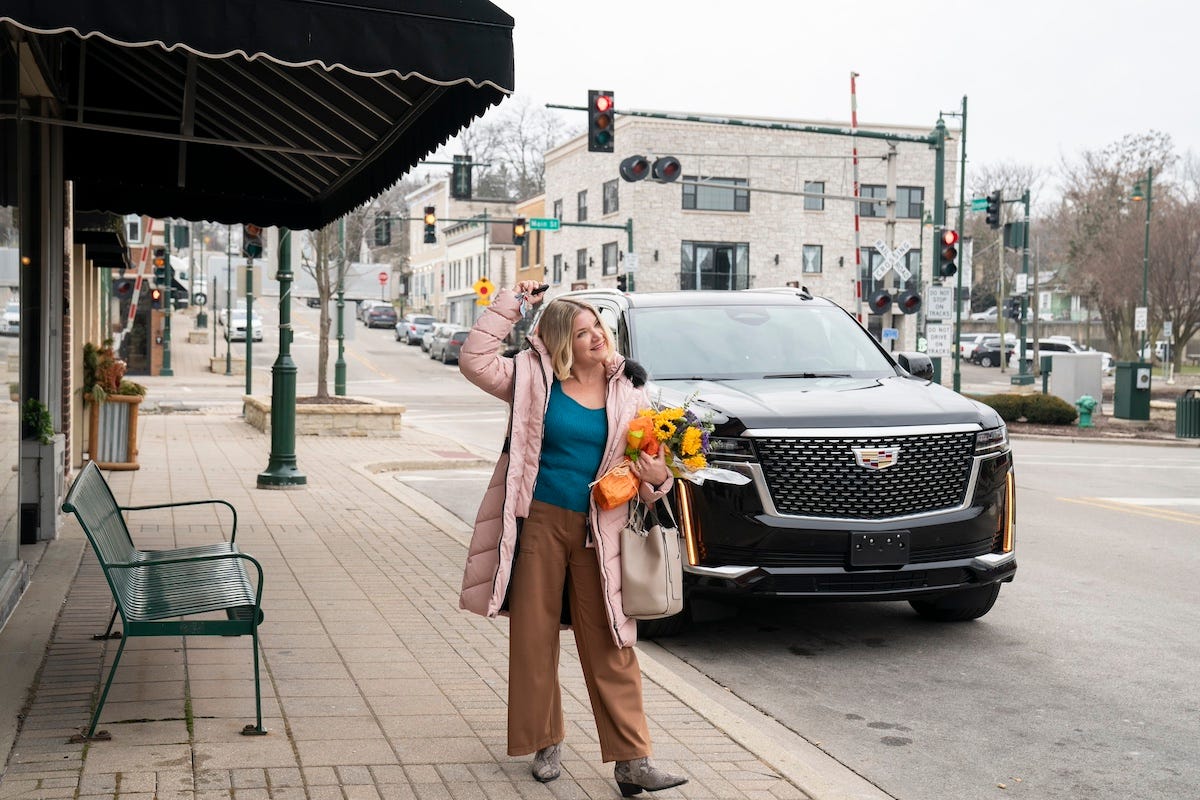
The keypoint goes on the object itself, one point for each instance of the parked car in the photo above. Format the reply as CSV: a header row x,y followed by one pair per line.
x,y
363,307
987,352
985,316
448,344
969,341
237,331
413,327
867,480
380,316
11,324
313,302
427,336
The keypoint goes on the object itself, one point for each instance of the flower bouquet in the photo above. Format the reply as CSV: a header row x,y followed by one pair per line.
x,y
684,438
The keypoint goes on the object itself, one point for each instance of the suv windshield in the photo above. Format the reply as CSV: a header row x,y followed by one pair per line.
x,y
745,342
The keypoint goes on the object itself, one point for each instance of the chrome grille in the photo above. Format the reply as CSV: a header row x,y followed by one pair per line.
x,y
818,477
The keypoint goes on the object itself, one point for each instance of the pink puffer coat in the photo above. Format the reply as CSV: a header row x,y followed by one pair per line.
x,y
524,382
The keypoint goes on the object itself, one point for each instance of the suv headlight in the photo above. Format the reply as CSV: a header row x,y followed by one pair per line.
x,y
992,440
730,448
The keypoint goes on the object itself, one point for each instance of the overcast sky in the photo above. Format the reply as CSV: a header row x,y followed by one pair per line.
x,y
1043,79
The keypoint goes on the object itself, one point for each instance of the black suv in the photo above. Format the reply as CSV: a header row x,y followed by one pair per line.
x,y
868,481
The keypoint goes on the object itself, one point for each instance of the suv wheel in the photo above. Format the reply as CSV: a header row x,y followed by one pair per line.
x,y
985,361
958,606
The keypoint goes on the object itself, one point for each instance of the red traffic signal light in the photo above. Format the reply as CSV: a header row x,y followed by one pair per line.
x,y
252,241
430,225
600,121
909,302
665,169
947,252
880,302
635,168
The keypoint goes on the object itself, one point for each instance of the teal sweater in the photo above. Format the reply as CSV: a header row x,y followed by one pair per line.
x,y
573,442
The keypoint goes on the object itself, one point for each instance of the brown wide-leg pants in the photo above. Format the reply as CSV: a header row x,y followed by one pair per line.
x,y
552,552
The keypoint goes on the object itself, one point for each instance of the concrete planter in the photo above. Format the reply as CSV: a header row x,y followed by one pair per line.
x,y
367,417
237,366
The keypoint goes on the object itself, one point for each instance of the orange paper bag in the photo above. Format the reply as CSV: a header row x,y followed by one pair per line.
x,y
617,486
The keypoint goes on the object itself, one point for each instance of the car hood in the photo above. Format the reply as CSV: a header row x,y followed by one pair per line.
x,y
826,403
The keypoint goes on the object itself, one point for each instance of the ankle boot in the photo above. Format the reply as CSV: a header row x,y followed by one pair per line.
x,y
547,764
638,774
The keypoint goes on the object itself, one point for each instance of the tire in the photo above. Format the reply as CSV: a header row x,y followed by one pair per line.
x,y
397,336
961,605
985,361
444,359
666,627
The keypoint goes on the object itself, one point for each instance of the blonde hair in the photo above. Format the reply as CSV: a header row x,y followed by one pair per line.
x,y
555,328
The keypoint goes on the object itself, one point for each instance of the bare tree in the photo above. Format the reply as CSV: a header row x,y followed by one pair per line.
x,y
1104,231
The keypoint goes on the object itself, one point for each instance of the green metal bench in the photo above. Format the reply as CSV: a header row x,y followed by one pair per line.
x,y
155,590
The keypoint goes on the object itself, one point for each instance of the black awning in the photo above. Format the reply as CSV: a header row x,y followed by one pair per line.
x,y
103,236
276,112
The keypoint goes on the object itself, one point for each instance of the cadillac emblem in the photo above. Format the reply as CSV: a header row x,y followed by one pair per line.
x,y
876,457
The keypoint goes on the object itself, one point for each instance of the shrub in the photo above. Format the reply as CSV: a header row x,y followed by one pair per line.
x,y
1046,409
1010,407
104,373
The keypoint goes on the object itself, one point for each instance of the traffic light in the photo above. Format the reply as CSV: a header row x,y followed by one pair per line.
x,y
600,121
635,168
460,178
880,301
665,169
123,287
519,231
252,241
383,229
160,265
947,252
1015,308
622,283
430,225
156,298
909,302
993,209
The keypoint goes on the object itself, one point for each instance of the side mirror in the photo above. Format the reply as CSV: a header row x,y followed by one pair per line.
x,y
918,365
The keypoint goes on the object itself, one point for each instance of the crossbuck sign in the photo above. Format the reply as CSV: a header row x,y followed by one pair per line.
x,y
892,259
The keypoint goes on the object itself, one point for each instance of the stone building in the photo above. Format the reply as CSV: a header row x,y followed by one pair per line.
x,y
745,225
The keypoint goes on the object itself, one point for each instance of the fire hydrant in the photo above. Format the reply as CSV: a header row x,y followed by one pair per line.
x,y
1086,405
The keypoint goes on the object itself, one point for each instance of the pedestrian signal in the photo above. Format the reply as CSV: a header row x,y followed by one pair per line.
x,y
252,241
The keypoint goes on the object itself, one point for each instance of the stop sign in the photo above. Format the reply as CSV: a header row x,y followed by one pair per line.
x,y
383,277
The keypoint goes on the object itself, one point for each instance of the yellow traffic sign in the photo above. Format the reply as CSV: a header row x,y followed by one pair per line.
x,y
484,289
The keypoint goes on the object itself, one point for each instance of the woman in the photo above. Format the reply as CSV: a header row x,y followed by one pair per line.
x,y
542,550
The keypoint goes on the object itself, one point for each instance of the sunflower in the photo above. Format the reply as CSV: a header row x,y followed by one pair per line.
x,y
695,462
691,441
664,429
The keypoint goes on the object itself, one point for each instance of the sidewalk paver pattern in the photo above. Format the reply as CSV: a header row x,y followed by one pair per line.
x,y
375,684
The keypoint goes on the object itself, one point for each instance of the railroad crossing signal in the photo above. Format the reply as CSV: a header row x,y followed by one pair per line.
x,y
892,259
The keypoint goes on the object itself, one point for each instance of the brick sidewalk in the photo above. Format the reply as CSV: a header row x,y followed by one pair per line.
x,y
375,684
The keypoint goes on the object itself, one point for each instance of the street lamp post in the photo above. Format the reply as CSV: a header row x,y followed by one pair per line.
x,y
1142,191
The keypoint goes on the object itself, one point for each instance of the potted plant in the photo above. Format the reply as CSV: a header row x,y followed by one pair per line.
x,y
113,408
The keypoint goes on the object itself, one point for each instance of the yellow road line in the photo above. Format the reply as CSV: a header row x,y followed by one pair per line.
x,y
1156,513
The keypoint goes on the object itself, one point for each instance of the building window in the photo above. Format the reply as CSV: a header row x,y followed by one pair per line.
x,y
714,265
814,203
715,196
581,202
558,210
609,258
133,228
556,275
612,202
581,265
812,259
909,201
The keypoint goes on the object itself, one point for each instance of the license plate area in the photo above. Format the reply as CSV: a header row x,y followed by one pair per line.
x,y
886,549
